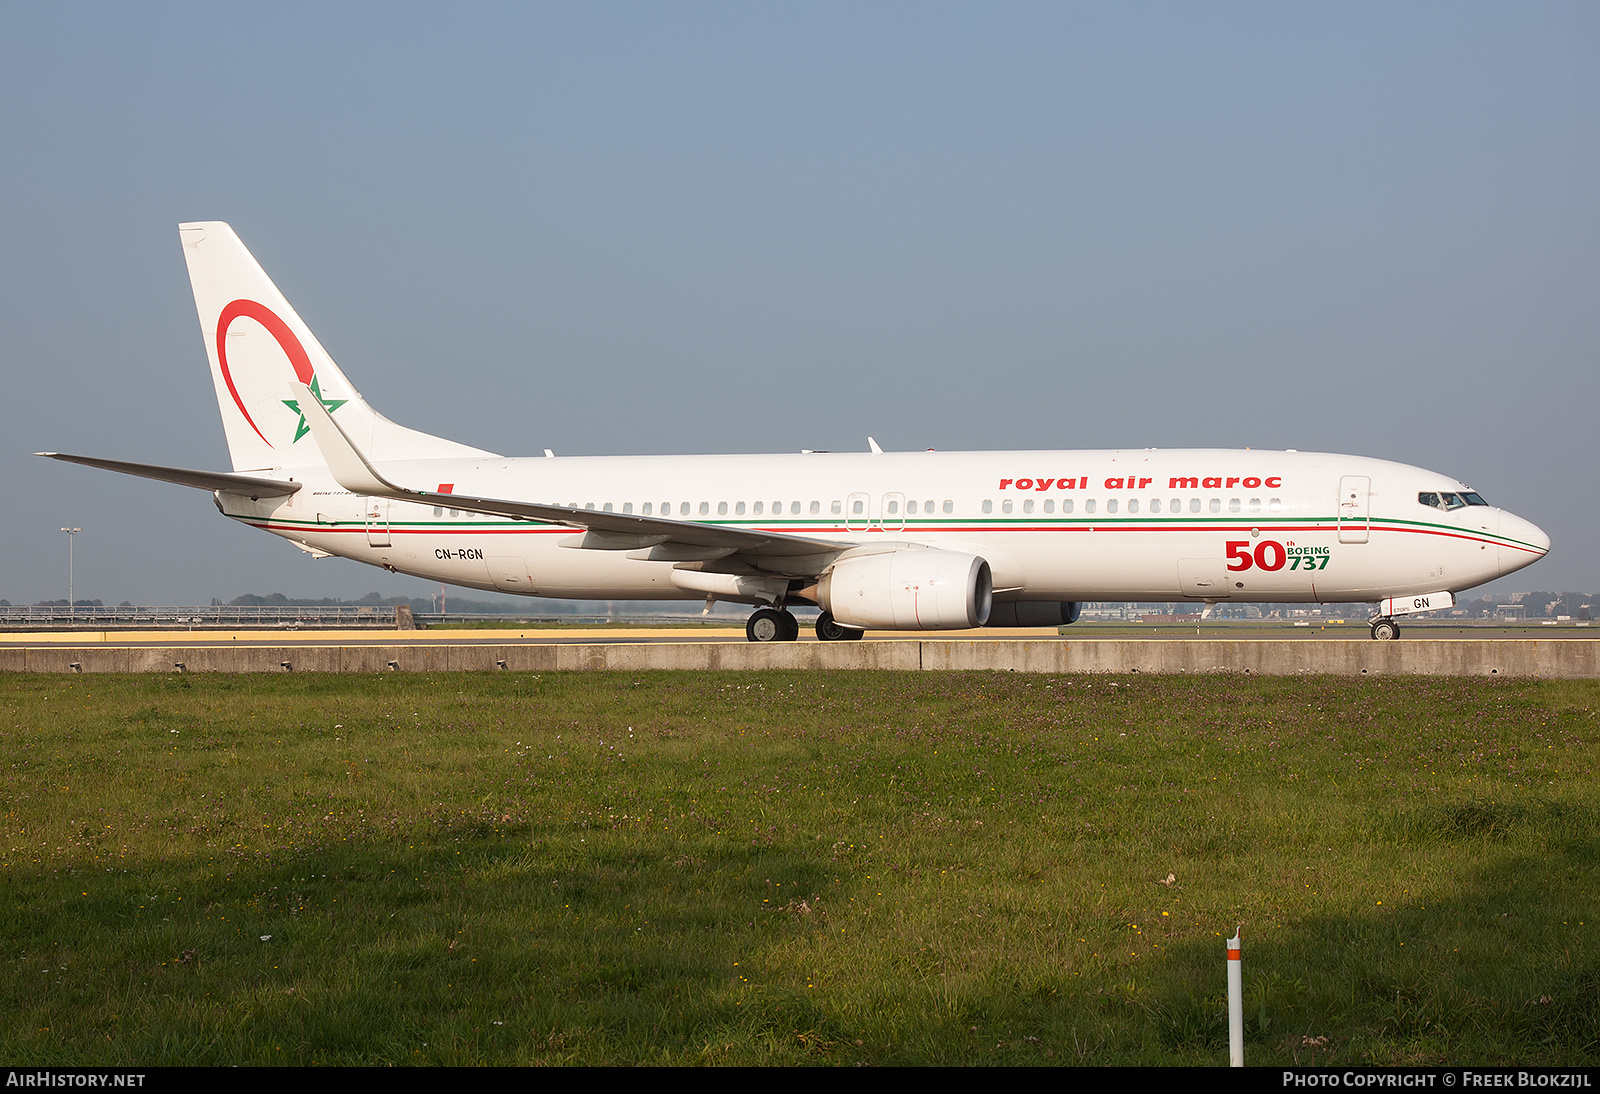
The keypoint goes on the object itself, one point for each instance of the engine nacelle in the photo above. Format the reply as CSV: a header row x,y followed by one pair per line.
x,y
909,590
1033,613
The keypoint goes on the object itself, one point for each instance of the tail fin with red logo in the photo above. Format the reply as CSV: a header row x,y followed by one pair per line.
x,y
259,348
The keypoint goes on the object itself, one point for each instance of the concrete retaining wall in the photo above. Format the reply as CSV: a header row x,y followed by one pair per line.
x,y
1548,658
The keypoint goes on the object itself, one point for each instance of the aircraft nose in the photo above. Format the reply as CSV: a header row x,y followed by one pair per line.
x,y
1522,542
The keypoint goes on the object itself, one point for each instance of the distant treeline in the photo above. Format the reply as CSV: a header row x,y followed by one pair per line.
x,y
416,604
1540,605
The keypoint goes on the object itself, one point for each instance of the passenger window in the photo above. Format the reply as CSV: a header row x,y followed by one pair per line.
x,y
705,509
949,506
1176,506
816,508
1049,505
1155,505
988,506
722,508
1216,505
1274,505
627,507
856,508
1066,505
794,507
1111,505
758,508
738,508
837,508
911,508
683,509
1233,505
1255,505
1194,505
1133,505
438,511
927,507
649,507
586,505
1088,506
606,507
777,508
1027,506
894,508
1005,506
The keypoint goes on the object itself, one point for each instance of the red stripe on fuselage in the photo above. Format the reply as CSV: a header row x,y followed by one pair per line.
x,y
445,530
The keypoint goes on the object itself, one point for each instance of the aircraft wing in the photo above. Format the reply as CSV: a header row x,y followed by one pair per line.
x,y
253,485
607,531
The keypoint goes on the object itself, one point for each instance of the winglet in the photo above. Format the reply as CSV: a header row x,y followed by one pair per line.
x,y
876,451
344,459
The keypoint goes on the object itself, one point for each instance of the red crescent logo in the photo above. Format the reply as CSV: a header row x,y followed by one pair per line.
x,y
275,327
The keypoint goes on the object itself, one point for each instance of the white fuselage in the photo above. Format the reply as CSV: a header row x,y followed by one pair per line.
x,y
1054,526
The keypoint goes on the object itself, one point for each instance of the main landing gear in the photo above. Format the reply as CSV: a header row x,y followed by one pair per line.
x,y
1385,630
778,625
771,625
829,630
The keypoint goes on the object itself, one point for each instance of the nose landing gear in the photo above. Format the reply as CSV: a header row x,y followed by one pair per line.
x,y
1385,630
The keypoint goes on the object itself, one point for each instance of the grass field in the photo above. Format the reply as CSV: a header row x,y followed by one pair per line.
x,y
786,868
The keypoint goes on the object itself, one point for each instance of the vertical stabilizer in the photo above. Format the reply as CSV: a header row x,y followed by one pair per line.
x,y
259,347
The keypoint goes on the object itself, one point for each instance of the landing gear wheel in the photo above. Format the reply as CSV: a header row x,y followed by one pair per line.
x,y
771,625
1385,630
830,631
764,625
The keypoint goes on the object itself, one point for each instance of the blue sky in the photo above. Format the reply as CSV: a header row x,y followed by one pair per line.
x,y
734,227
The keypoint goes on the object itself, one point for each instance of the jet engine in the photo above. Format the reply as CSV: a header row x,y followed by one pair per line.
x,y
927,590
1029,613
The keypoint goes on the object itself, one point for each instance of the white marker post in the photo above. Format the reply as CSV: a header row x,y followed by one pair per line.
x,y
1235,1003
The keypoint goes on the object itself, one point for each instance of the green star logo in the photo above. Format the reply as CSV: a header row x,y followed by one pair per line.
x,y
294,404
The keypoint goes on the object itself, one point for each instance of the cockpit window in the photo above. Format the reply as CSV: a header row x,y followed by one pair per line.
x,y
1448,502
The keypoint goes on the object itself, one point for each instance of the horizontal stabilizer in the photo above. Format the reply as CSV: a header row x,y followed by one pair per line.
x,y
183,476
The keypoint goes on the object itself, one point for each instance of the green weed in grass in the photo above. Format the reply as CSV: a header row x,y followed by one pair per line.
x,y
795,868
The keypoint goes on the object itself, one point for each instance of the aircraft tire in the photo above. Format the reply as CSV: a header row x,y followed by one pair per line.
x,y
830,631
791,627
1385,630
766,625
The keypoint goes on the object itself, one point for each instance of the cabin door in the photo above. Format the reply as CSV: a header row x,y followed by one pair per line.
x,y
1355,502
377,520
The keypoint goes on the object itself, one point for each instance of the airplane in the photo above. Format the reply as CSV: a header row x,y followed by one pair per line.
x,y
890,541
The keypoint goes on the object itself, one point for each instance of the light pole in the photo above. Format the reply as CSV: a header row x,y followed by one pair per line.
x,y
71,535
